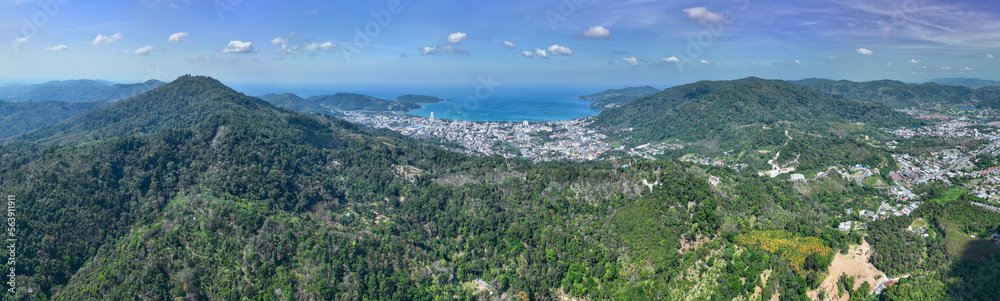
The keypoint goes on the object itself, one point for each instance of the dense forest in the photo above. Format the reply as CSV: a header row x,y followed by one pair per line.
x,y
898,94
618,97
22,117
194,191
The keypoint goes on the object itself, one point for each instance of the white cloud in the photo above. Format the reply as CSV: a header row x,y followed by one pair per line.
x,y
915,61
832,57
864,51
436,50
20,41
672,59
279,40
103,39
797,62
319,46
507,44
705,62
239,47
57,48
456,37
888,64
596,32
557,50
945,68
989,56
968,68
144,50
528,53
541,53
924,67
704,15
178,37
631,61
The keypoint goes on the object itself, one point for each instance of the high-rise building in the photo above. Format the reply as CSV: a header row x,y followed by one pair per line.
x,y
432,116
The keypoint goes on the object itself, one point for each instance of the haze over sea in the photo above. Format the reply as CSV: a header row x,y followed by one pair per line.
x,y
506,102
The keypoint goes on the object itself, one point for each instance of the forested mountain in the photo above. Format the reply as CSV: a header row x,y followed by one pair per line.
x,y
75,91
195,191
974,83
751,115
352,102
21,117
618,97
123,91
293,102
898,94
410,98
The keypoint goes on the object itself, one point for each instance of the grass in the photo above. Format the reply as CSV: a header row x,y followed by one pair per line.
x,y
951,195
961,244
920,222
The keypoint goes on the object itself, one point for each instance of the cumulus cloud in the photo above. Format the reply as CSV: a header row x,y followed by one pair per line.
x,y
57,48
797,62
144,50
989,56
507,44
672,59
832,57
279,40
557,50
945,68
319,46
528,53
705,62
456,37
103,39
596,32
178,37
968,68
704,16
914,61
631,61
864,51
436,50
308,47
541,53
240,47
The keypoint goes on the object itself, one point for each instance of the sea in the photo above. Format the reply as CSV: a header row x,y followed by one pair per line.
x,y
506,102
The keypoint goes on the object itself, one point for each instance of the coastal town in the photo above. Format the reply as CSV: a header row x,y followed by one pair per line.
x,y
536,141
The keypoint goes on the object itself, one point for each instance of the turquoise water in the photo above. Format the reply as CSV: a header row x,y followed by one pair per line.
x,y
504,103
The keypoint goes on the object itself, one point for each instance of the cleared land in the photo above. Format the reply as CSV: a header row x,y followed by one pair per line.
x,y
854,263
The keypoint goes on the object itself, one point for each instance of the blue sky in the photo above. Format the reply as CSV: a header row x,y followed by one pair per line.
x,y
413,42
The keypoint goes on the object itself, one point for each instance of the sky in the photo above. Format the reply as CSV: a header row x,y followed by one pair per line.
x,y
546,42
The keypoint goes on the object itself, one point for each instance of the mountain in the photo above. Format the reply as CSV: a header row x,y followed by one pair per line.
x,y
183,103
293,102
75,91
897,94
752,114
69,91
21,117
123,91
193,191
358,102
974,83
618,97
410,98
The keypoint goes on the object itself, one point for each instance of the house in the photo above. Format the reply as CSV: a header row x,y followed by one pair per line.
x,y
714,180
845,226
798,177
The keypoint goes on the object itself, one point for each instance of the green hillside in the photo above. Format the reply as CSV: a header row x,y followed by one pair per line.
x,y
898,94
358,102
204,193
21,117
618,97
293,102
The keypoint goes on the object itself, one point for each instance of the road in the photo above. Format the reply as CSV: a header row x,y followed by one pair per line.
x,y
954,164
